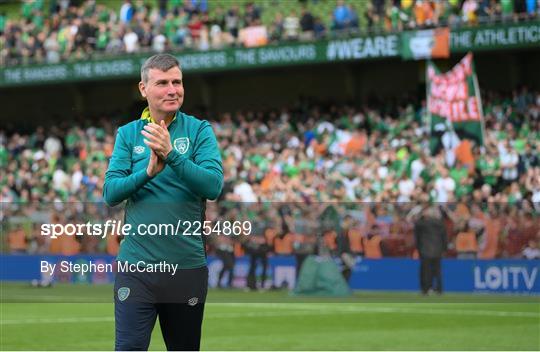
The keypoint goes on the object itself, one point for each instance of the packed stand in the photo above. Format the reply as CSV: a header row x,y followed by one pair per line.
x,y
72,30
411,14
306,155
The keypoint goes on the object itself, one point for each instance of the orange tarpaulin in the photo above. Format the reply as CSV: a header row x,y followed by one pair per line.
x,y
492,231
466,242
355,240
63,244
464,154
373,247
17,240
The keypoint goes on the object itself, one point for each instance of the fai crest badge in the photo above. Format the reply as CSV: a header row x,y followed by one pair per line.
x,y
123,293
193,301
181,145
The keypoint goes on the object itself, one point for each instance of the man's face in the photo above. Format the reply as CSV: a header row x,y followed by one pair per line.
x,y
164,90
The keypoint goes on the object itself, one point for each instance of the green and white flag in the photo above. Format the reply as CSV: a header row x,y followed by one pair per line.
x,y
454,105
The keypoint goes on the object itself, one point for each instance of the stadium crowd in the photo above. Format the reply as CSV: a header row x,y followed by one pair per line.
x,y
76,30
296,163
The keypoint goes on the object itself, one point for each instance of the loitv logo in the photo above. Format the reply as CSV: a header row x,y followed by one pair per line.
x,y
511,277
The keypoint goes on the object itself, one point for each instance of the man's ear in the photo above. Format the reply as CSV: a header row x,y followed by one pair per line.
x,y
142,89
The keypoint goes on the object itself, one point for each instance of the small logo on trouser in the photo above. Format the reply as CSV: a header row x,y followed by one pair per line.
x,y
123,293
192,301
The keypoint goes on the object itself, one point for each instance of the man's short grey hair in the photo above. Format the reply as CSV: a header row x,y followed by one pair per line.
x,y
163,62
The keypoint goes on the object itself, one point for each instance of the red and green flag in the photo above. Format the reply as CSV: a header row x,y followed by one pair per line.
x,y
454,104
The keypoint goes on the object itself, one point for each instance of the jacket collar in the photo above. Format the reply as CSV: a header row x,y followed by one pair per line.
x,y
145,116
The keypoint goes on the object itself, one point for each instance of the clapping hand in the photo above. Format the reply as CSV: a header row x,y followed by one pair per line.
x,y
158,139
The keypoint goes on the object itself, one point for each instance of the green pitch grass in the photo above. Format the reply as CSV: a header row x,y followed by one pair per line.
x,y
35,319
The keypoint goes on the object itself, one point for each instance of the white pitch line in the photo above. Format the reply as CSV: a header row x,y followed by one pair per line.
x,y
208,315
489,313
347,308
57,320
303,311
31,298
